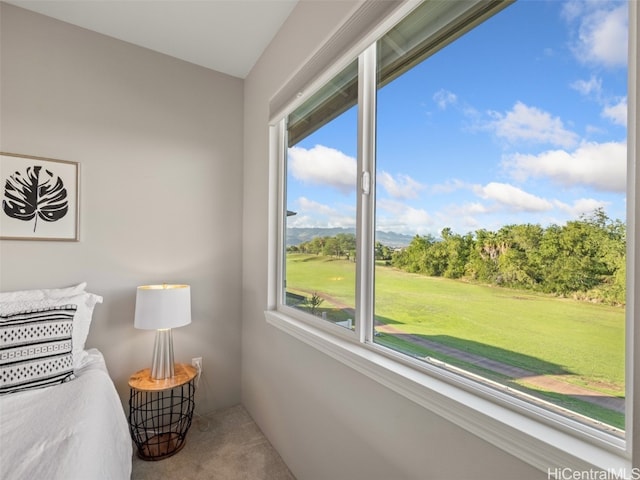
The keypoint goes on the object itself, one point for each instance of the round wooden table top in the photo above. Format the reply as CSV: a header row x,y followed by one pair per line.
x,y
142,380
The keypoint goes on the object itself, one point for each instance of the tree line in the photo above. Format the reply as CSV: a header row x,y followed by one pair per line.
x,y
340,245
584,258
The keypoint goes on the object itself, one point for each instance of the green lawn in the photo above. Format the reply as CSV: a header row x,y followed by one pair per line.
x,y
328,275
582,341
550,334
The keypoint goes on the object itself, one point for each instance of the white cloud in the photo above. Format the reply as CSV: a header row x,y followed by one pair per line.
x,y
602,33
602,166
614,110
315,214
591,87
449,186
402,218
512,198
530,124
474,208
304,221
308,206
324,166
466,210
572,9
582,206
594,130
444,98
403,186
617,112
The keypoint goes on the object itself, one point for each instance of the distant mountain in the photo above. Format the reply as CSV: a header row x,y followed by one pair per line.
x,y
393,239
296,236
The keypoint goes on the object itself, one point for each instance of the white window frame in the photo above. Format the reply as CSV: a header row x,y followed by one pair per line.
x,y
535,435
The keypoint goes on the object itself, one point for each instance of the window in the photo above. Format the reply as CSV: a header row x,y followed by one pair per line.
x,y
322,146
505,240
455,200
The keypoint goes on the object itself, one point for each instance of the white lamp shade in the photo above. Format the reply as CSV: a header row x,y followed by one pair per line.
x,y
162,306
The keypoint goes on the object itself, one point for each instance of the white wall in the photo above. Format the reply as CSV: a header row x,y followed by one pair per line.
x,y
327,420
160,147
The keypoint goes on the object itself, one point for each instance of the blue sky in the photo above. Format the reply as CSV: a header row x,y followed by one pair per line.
x,y
522,120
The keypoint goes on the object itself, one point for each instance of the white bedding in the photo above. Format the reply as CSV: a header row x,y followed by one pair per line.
x,y
72,431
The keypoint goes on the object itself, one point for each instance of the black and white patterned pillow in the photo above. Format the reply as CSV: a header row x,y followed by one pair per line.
x,y
36,348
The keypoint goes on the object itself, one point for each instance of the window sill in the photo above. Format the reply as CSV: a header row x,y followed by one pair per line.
x,y
536,443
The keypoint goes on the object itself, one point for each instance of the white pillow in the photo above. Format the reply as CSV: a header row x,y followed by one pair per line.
x,y
85,303
37,348
42,294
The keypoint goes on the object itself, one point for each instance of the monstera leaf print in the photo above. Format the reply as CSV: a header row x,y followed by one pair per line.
x,y
36,194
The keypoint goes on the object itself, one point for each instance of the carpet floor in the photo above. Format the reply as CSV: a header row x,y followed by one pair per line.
x,y
224,445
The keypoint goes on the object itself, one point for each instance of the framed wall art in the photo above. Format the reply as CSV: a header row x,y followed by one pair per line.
x,y
40,198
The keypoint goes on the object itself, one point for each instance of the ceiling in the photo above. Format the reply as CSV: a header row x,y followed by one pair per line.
x,y
224,35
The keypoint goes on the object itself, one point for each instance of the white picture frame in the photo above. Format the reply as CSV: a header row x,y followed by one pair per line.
x,y
40,198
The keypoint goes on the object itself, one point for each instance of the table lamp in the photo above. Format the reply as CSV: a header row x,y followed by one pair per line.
x,y
161,308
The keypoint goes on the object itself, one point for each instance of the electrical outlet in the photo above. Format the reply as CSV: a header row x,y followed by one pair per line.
x,y
197,362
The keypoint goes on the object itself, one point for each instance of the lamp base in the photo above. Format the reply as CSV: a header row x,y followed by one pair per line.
x,y
162,363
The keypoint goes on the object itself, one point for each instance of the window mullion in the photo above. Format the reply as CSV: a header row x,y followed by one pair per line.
x,y
366,184
279,175
632,331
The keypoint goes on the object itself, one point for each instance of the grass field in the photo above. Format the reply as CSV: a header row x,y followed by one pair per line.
x,y
581,342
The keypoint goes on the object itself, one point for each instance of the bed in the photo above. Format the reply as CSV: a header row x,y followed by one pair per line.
x,y
60,414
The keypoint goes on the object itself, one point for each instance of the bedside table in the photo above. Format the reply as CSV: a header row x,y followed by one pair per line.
x,y
160,411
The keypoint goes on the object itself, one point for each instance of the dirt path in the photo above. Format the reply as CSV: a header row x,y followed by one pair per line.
x,y
551,383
